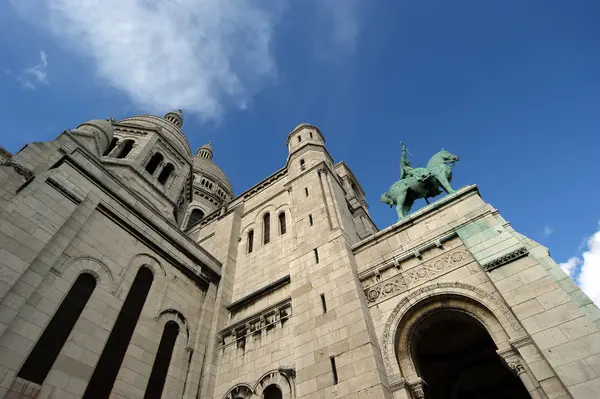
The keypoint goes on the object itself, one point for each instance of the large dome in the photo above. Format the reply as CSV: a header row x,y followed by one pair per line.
x,y
169,130
204,165
208,168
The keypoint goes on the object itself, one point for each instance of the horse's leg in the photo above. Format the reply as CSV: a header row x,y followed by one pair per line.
x,y
441,177
400,204
407,205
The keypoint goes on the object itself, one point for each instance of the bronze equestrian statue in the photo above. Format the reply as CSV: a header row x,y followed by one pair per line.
x,y
418,183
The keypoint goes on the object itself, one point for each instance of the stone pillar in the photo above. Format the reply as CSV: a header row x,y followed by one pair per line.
x,y
159,169
516,364
416,388
117,149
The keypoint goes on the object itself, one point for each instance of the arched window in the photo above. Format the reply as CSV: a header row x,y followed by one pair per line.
x,y
250,241
266,228
112,146
46,350
302,164
126,149
154,162
272,392
282,227
165,173
108,366
158,375
195,216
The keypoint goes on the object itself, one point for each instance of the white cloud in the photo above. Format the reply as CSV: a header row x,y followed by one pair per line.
x,y
37,75
585,270
165,54
548,231
199,55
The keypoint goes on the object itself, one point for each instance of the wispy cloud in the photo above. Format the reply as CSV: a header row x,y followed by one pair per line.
x,y
37,75
200,55
585,269
548,231
345,21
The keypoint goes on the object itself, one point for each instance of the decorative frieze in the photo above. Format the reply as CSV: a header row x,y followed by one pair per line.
x,y
509,257
253,326
403,281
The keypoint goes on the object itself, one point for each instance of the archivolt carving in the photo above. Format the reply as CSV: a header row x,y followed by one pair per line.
x,y
275,377
278,377
492,302
239,391
74,267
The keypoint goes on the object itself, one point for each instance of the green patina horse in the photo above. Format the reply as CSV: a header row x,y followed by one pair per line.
x,y
418,183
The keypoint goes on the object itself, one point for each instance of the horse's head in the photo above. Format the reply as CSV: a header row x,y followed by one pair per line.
x,y
447,156
387,199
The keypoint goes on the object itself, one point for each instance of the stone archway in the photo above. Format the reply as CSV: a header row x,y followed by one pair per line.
x,y
455,357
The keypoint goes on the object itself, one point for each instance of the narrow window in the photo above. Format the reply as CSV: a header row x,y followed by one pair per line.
x,y
266,228
195,216
306,191
127,147
323,304
282,227
299,139
311,135
316,252
165,173
334,370
154,162
310,219
250,241
112,146
302,164
46,350
158,375
105,373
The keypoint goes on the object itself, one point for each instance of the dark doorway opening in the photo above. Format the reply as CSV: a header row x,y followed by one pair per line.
x,y
272,392
457,359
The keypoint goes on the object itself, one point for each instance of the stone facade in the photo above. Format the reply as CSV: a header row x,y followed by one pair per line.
x,y
286,291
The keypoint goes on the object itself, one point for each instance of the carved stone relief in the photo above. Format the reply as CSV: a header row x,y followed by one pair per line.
x,y
404,280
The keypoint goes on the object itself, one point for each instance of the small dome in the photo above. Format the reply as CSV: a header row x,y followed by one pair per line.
x,y
168,129
175,117
204,165
205,151
103,129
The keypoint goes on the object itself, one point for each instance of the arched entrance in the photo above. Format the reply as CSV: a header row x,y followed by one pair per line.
x,y
272,392
456,357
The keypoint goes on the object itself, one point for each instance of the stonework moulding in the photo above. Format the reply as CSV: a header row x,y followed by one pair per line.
x,y
501,261
402,281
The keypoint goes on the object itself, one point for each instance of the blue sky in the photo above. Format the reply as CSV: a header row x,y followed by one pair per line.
x,y
513,87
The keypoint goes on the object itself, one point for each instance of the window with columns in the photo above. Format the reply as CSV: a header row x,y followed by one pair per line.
x,y
165,173
126,148
153,163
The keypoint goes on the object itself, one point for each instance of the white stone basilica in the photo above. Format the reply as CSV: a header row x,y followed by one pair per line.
x,y
130,269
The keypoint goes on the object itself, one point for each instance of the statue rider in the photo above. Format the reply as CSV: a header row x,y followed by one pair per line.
x,y
407,171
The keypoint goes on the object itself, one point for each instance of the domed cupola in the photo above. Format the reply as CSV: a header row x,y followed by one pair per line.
x,y
175,117
211,187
